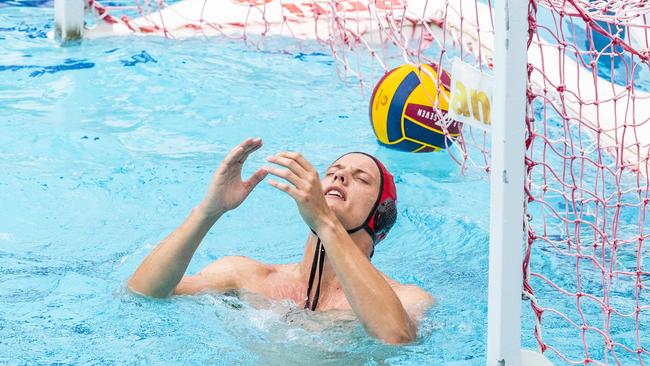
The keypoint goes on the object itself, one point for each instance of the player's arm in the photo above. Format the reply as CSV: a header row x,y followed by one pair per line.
x,y
382,311
161,271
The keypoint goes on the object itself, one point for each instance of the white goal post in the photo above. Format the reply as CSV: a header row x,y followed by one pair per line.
x,y
69,19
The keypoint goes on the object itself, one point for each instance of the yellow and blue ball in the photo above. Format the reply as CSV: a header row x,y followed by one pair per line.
x,y
407,106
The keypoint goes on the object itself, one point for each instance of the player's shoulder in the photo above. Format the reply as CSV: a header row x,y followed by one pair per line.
x,y
237,264
414,294
240,260
409,293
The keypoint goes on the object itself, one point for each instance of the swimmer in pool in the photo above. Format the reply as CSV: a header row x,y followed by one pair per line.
x,y
335,273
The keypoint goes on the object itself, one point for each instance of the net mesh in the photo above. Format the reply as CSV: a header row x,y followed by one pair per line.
x,y
587,143
587,180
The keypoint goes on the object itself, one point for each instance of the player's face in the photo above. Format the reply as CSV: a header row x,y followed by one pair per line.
x,y
351,186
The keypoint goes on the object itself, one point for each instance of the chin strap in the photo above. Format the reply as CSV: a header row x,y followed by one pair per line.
x,y
319,259
317,264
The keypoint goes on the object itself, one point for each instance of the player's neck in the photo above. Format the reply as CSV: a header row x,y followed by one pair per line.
x,y
329,281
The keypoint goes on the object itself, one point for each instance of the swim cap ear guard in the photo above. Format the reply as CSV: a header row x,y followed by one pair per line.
x,y
384,219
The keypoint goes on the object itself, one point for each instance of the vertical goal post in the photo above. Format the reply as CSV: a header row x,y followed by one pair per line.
x,y
507,173
69,20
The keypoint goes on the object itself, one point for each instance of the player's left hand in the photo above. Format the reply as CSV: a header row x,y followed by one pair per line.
x,y
305,187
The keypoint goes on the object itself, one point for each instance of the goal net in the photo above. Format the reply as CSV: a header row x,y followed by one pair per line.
x,y
587,143
587,180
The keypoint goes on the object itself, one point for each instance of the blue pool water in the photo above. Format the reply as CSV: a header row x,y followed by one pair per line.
x,y
106,146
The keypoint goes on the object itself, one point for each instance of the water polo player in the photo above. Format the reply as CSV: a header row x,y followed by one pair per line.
x,y
349,211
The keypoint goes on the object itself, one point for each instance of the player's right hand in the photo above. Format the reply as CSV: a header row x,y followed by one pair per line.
x,y
227,190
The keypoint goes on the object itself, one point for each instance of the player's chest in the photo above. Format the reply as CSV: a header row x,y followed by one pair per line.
x,y
280,287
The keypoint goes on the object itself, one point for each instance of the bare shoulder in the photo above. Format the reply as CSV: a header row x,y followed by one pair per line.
x,y
415,299
226,273
236,267
413,294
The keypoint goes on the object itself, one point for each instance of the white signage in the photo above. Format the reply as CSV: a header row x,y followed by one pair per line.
x,y
471,95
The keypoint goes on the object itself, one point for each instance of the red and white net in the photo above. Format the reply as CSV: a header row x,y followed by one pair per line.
x,y
587,180
366,38
587,145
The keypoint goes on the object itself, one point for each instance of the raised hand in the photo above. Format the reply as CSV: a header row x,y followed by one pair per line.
x,y
227,190
305,187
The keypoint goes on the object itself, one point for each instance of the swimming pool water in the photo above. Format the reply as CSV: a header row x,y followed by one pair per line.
x,y
106,146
